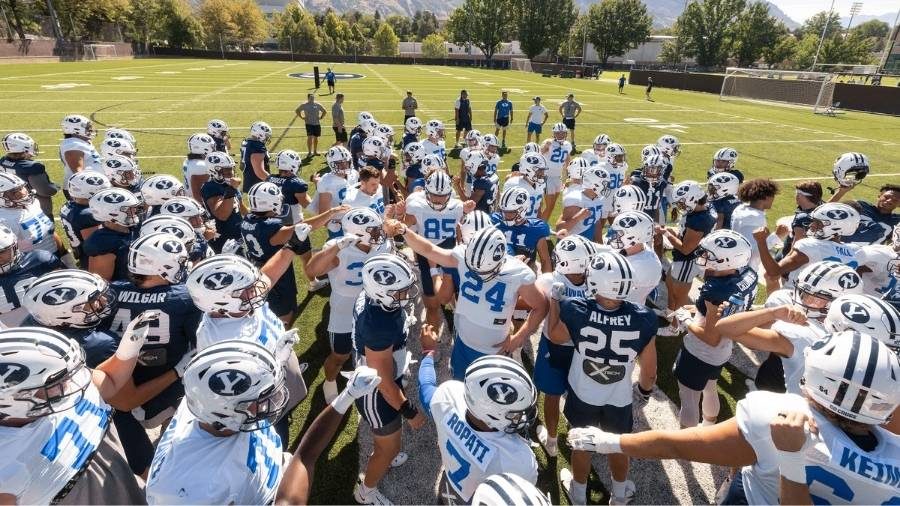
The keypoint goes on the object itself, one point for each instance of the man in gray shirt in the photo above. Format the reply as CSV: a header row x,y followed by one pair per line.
x,y
337,119
311,113
570,109
409,106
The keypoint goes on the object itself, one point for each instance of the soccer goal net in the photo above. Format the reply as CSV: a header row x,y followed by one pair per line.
x,y
99,51
523,64
814,89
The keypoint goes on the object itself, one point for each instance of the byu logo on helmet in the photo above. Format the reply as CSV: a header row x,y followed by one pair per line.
x,y
848,280
628,222
725,242
58,296
229,382
567,245
384,277
114,198
837,214
94,181
218,280
360,219
12,374
499,251
502,393
176,208
172,247
855,312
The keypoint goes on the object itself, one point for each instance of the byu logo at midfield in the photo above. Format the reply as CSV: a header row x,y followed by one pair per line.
x,y
384,277
218,280
12,374
502,393
59,296
229,382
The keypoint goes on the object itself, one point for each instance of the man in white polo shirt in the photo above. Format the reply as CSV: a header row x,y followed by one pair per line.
x,y
537,116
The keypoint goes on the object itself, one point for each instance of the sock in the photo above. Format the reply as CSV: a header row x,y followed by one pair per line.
x,y
364,491
707,423
619,488
579,492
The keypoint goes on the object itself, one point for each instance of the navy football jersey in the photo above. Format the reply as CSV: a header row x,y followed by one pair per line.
x,y
376,328
702,221
74,219
256,231
414,171
23,168
801,219
874,226
355,146
250,147
14,283
98,344
485,203
409,138
654,192
738,289
220,143
522,239
290,187
231,227
200,250
724,207
740,175
105,241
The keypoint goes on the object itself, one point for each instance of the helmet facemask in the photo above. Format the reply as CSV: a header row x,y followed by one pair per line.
x,y
98,307
437,201
9,257
60,393
264,411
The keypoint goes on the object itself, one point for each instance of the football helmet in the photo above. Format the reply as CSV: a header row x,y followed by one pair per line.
x,y
288,160
384,131
227,285
610,275
500,393
86,184
652,168
9,249
159,254
161,188
187,208
669,145
43,372
533,169
600,143
576,168
531,147
170,224
364,223
373,147
650,150
413,125
833,218
471,223
69,298
79,126
438,189
265,197
724,250
853,375
364,116
513,206
721,185
261,131
117,147
486,253
122,171
596,179
120,133
867,315
433,162
630,228
560,131
508,489
14,193
572,254
474,139
368,127
615,156
116,205
434,128
850,169
475,161
490,141
724,159
629,198
389,281
18,142
220,166
235,385
687,195
217,128
338,159
414,153
819,283
201,144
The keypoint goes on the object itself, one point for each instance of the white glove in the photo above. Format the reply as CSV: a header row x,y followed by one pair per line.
x,y
135,335
592,439
302,230
285,346
792,465
557,291
231,247
182,364
360,382
683,317
347,240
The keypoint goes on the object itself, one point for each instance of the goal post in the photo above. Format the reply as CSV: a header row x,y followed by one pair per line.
x,y
522,64
99,51
815,89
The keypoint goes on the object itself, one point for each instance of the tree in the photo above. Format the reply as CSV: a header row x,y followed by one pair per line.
x,y
705,30
424,23
482,23
433,46
402,26
87,19
543,25
218,26
754,32
670,53
615,26
874,29
385,42
296,28
805,51
338,31
251,26
573,44
778,55
25,17
815,23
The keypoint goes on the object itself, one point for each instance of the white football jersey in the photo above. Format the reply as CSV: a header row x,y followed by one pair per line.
x,y
779,297
544,283
535,194
484,309
837,470
713,355
260,326
41,457
335,186
556,156
436,226
876,257
33,228
573,196
616,180
469,456
493,162
92,158
801,337
744,220
346,284
435,148
647,271
592,158
818,250
356,198
193,168
192,466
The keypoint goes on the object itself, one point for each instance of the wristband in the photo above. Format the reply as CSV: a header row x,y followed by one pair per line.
x,y
407,410
342,402
792,466
645,393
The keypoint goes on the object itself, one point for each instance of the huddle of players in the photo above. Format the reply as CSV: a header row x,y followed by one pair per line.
x,y
589,298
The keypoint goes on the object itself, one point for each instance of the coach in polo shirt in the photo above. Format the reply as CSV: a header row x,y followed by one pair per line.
x,y
410,104
570,109
312,113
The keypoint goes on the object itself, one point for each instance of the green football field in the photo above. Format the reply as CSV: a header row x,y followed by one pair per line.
x,y
163,101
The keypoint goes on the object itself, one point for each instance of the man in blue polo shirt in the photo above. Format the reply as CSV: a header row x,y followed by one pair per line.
x,y
503,116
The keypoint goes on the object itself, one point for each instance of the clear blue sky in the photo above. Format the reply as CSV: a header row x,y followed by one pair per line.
x,y
799,10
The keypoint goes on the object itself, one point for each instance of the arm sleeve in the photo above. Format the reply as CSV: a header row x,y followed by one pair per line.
x,y
427,382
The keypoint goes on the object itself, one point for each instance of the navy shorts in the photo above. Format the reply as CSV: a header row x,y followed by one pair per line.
x,y
282,297
461,357
693,372
425,269
464,125
503,122
376,411
551,367
341,342
534,128
615,419
569,122
340,134
313,130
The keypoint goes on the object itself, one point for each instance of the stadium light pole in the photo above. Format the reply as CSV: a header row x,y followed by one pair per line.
x,y
855,9
889,42
822,38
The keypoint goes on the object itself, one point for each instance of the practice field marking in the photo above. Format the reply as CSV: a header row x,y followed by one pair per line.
x,y
63,86
169,72
126,78
424,108
92,71
486,83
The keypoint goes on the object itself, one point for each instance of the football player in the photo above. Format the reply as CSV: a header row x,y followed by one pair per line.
x,y
19,159
293,187
368,193
491,149
120,133
434,142
794,449
255,155
123,173
75,150
158,189
557,152
652,180
608,334
757,196
879,265
364,130
508,489
575,172
583,205
525,237
876,220
628,198
194,167
218,130
631,234
332,187
75,215
111,147
722,189
191,210
180,228
723,162
374,149
532,177
480,423
222,199
413,154
617,168
484,184
119,213
342,260
473,143
808,196
24,216
411,129
17,272
597,154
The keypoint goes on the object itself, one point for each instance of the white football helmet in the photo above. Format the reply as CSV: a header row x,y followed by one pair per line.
x,y
86,184
364,223
833,218
265,197
288,160
533,168
475,161
338,159
434,128
576,168
850,169
500,393
373,147
389,281
724,250
261,131
650,150
43,372
572,254
122,171
364,116
368,127
630,228
438,189
669,145
486,253
724,159
14,193
596,179
69,298
610,275
18,142
187,208
867,315
474,139
508,489
217,128
615,156
471,223
629,198
79,126
117,147
433,162
227,285
560,131
161,188
490,141
531,147
819,283
220,166
159,254
116,205
384,131
236,385
600,143
853,375
415,152
652,167
170,224
513,205
413,125
201,144
687,195
120,133
9,249
721,185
